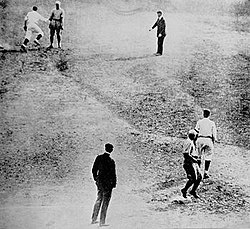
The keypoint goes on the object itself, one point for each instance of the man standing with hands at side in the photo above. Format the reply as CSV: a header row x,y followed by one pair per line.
x,y
161,32
56,24
104,174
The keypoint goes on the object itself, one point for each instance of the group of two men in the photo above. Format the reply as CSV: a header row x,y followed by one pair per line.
x,y
31,27
199,148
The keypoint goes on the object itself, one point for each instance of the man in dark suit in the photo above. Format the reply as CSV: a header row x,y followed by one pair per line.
x,y
104,174
161,32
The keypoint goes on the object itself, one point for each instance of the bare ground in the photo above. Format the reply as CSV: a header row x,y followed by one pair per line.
x,y
58,108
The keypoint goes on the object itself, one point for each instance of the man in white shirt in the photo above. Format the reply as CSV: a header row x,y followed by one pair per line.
x,y
207,135
31,27
191,165
56,24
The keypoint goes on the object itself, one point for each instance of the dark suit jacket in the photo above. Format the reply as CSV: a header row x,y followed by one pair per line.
x,y
161,27
104,172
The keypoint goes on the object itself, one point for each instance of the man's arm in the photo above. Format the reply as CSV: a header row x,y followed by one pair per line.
x,y
43,18
155,24
62,18
114,178
197,127
51,15
95,168
214,133
25,23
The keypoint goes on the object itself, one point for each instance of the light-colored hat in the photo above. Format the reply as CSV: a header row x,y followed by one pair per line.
x,y
192,132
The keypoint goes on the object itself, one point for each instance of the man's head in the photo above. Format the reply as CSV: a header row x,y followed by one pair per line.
x,y
58,3
192,134
206,113
109,148
159,13
34,8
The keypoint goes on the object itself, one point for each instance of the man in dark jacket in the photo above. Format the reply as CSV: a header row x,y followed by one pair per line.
x,y
161,32
104,174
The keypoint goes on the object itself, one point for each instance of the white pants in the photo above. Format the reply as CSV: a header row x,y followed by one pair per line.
x,y
33,29
205,148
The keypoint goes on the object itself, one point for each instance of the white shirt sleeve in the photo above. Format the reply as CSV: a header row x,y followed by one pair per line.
x,y
63,15
197,127
214,131
42,18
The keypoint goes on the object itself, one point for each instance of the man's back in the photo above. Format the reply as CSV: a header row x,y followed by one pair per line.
x,y
33,17
104,171
206,128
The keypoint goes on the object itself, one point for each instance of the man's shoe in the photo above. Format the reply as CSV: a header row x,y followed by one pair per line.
x,y
103,225
184,193
50,47
94,222
194,194
37,43
23,48
206,176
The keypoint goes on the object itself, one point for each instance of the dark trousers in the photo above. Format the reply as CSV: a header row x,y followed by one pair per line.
x,y
193,175
160,45
55,27
102,201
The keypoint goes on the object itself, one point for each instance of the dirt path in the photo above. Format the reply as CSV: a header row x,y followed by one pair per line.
x,y
57,115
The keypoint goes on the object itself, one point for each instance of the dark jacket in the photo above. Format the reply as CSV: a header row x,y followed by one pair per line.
x,y
161,27
104,172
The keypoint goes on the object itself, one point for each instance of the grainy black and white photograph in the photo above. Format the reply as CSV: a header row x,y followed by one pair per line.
x,y
124,114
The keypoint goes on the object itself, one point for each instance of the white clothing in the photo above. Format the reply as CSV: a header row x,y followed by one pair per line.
x,y
206,134
206,128
33,29
33,18
205,148
189,148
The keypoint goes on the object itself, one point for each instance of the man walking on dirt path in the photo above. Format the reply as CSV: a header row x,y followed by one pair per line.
x,y
31,27
56,24
191,166
161,32
207,136
104,174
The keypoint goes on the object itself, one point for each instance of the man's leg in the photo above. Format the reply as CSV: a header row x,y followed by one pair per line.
x,y
52,33
27,39
97,205
207,165
106,200
208,157
58,34
190,181
160,45
197,181
38,30
187,186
